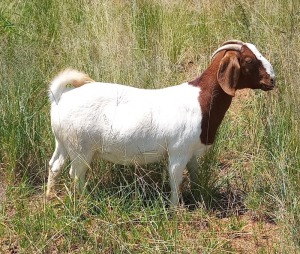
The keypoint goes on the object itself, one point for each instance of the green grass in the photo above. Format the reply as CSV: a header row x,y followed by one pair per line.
x,y
248,192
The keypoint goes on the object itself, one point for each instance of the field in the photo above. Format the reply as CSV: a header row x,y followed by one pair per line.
x,y
248,199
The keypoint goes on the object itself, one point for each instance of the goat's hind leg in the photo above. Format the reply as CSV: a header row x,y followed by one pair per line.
x,y
55,167
79,167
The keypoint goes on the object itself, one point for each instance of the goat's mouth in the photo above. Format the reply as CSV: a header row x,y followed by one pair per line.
x,y
266,87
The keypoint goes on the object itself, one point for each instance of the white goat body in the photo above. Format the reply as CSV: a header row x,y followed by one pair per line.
x,y
127,125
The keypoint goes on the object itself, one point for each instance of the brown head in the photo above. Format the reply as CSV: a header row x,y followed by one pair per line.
x,y
235,65
241,65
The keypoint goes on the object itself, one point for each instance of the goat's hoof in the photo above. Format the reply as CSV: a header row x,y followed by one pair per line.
x,y
50,196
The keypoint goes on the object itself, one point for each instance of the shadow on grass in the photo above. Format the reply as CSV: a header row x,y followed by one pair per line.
x,y
147,186
224,203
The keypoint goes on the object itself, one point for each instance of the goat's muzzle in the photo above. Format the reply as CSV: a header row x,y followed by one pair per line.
x,y
269,86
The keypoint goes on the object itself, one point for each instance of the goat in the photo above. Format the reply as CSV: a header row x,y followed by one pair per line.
x,y
128,125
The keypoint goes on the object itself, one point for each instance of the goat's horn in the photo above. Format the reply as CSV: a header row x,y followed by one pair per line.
x,y
236,47
233,42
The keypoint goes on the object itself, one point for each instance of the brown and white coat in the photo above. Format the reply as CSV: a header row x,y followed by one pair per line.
x,y
127,125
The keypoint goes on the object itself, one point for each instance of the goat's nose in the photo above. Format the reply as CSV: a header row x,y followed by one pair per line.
x,y
273,81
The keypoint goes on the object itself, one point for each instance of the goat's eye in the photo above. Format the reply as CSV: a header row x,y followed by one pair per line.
x,y
248,60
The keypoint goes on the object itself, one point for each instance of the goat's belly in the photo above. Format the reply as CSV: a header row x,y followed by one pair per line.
x,y
129,158
129,147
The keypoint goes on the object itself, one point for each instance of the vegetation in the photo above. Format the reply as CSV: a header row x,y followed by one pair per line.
x,y
248,198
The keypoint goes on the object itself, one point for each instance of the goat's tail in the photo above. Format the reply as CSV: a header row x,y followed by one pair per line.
x,y
66,77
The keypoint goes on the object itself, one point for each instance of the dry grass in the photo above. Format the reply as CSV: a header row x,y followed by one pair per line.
x,y
248,197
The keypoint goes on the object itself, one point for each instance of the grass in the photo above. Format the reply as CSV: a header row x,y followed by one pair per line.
x,y
248,197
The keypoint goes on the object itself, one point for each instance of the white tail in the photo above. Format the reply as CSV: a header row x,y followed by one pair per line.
x,y
66,77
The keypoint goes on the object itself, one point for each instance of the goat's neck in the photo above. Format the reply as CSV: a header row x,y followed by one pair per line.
x,y
214,103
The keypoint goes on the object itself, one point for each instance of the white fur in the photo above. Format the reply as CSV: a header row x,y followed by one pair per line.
x,y
125,125
68,76
267,65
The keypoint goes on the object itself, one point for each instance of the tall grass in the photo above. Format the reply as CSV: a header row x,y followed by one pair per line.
x,y
253,169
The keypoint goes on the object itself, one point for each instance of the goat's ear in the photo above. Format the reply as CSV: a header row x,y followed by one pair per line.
x,y
228,73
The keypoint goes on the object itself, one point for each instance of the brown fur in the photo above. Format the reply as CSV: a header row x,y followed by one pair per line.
x,y
229,71
77,82
82,81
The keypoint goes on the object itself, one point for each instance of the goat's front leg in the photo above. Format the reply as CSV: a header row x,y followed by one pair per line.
x,y
176,168
193,169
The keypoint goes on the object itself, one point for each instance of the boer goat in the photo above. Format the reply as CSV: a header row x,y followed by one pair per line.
x,y
127,125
